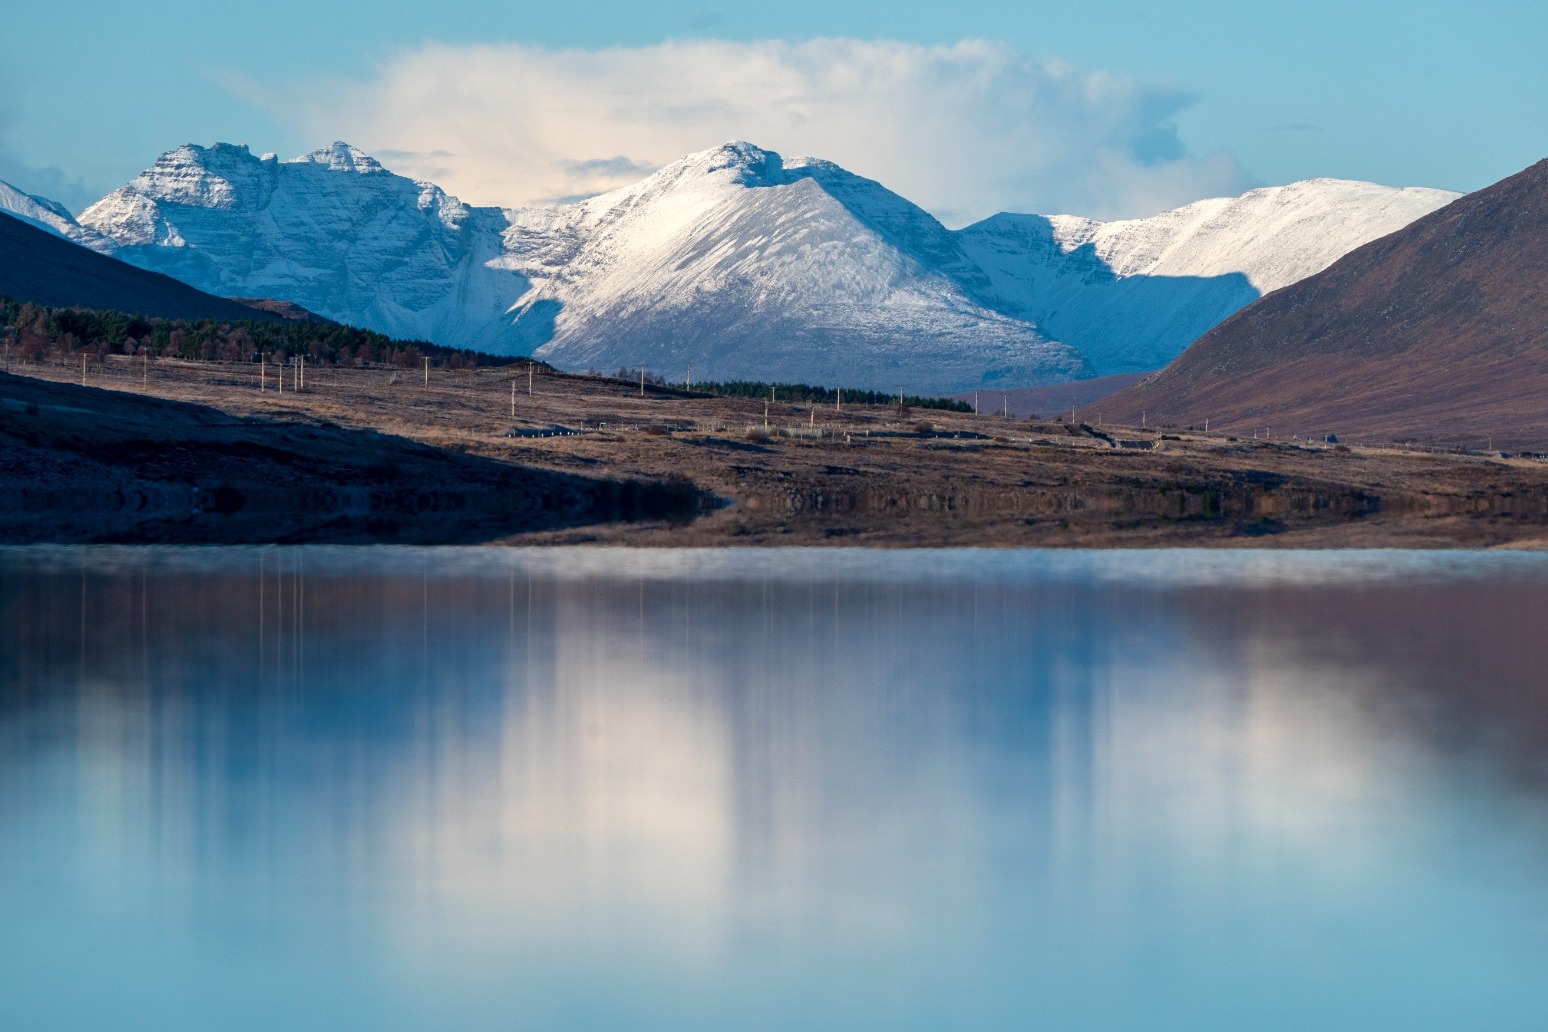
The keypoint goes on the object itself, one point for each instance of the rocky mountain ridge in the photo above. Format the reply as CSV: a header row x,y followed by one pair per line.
x,y
736,261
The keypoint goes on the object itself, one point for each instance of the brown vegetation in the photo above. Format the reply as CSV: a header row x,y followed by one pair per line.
x,y
1437,333
864,475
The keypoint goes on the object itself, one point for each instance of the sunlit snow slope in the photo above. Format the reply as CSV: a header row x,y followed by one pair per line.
x,y
738,261
748,267
1132,295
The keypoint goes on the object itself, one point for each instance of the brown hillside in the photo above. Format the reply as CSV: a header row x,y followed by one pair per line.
x,y
1438,332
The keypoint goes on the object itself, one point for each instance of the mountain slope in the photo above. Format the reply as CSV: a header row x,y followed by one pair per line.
x,y
738,262
332,231
749,267
52,217
46,269
1439,331
1132,295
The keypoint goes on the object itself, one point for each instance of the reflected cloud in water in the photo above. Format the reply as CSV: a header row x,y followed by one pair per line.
x,y
407,788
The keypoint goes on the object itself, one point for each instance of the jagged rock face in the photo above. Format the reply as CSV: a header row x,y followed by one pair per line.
x,y
737,261
332,231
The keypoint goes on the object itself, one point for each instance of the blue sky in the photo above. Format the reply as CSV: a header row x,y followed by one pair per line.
x,y
1215,95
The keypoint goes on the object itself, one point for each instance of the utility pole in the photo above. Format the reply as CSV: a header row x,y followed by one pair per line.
x,y
144,366
689,380
263,372
83,370
513,399
300,372
975,403
427,372
529,379
838,403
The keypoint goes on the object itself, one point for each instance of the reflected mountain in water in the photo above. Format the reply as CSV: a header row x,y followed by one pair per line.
x,y
408,788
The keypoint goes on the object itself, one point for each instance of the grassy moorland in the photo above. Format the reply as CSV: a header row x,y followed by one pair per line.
x,y
780,472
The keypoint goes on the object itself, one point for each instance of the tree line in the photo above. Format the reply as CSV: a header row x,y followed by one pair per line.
x,y
34,332
805,393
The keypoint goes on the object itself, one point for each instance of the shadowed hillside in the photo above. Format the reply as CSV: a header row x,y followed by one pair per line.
x,y
80,464
1438,332
48,270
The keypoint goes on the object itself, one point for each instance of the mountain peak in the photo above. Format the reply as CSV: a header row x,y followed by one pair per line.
x,y
749,162
341,157
766,266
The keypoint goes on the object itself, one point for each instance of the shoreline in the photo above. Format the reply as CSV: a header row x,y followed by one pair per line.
x,y
593,460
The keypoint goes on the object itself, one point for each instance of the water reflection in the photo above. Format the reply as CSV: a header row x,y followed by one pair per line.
x,y
400,788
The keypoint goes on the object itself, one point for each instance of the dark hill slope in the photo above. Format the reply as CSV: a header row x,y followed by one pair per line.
x,y
47,270
81,464
1437,332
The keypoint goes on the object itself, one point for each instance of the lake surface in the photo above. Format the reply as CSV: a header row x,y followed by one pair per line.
x,y
468,789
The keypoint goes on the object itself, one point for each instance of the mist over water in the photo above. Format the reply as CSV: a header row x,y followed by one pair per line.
x,y
808,789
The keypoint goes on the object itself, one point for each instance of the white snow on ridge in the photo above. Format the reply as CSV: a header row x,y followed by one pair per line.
x,y
1131,295
51,216
740,262
1275,236
332,231
747,267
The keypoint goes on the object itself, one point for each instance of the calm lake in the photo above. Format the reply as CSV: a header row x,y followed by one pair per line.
x,y
295,789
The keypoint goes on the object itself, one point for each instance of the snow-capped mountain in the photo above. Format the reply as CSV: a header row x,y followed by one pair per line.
x,y
332,231
1436,332
749,266
1132,295
52,217
737,261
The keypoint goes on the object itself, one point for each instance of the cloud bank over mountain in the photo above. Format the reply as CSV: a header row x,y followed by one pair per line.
x,y
966,129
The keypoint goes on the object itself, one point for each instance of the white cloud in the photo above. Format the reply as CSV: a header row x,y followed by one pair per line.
x,y
964,130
